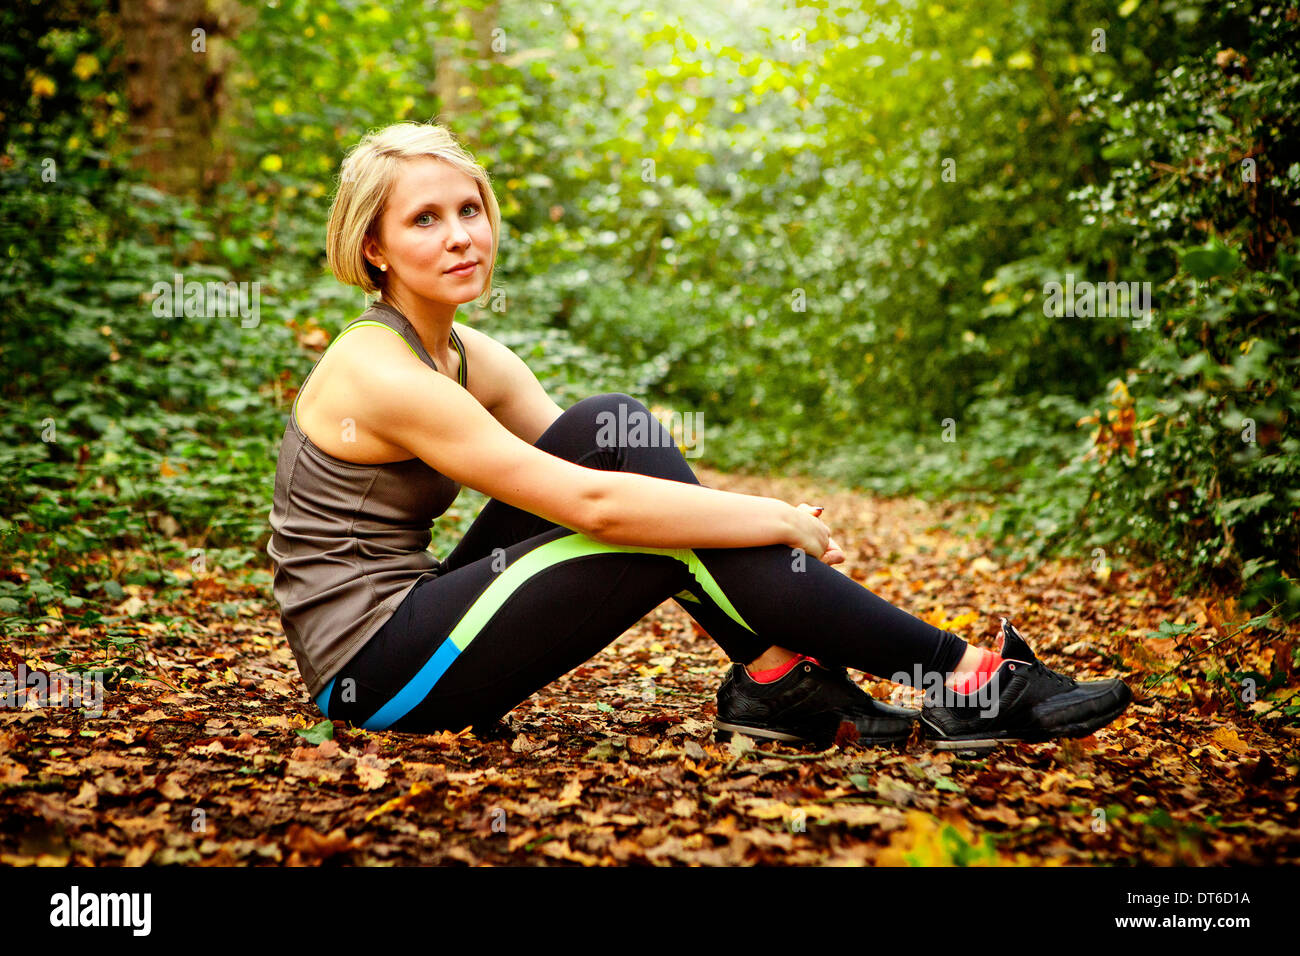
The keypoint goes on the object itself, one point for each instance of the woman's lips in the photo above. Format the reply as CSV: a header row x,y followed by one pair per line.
x,y
464,271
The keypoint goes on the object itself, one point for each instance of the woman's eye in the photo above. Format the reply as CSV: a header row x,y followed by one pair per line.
x,y
429,216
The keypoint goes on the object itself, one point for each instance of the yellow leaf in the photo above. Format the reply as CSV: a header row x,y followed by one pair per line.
x,y
1227,738
764,808
935,617
983,57
1127,7
928,841
272,163
42,85
1050,780
396,803
1020,60
86,66
961,620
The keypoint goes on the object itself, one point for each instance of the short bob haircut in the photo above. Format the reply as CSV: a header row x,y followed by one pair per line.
x,y
365,181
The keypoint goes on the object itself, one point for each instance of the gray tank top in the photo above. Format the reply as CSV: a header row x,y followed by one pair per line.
x,y
349,541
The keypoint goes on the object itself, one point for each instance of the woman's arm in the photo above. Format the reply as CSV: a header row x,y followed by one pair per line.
x,y
656,512
402,401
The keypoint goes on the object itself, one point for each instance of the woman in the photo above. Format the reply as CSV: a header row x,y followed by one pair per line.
x,y
582,536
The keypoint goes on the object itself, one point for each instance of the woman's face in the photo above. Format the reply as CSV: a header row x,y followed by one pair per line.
x,y
434,220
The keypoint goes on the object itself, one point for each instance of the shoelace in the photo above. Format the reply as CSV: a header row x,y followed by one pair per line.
x,y
1058,678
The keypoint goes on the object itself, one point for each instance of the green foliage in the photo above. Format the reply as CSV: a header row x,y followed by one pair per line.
x,y
1212,182
318,733
831,231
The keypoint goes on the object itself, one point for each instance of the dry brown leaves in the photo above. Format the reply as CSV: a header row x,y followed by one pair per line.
x,y
594,771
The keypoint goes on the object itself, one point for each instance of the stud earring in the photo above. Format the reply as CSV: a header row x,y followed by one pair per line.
x,y
384,267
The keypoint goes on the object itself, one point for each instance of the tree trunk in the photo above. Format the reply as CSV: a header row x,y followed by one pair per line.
x,y
459,63
176,61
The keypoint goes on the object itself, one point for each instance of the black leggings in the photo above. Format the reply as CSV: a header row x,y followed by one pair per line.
x,y
521,601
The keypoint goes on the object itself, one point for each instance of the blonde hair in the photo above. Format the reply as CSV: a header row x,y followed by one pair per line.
x,y
366,180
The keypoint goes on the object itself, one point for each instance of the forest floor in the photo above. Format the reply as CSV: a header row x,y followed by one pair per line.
x,y
220,758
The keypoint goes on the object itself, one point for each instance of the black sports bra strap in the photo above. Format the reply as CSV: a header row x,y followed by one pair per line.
x,y
464,370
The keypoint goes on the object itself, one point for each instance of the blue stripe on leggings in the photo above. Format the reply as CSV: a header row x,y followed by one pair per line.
x,y
416,689
323,699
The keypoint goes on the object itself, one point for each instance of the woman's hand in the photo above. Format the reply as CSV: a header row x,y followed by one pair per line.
x,y
832,553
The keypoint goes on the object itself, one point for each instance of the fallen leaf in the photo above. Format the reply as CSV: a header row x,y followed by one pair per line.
x,y
1228,739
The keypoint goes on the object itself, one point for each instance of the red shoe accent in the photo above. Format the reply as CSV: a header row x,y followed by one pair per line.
x,y
986,668
776,673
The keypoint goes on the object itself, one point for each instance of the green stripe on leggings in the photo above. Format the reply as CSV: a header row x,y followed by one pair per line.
x,y
572,546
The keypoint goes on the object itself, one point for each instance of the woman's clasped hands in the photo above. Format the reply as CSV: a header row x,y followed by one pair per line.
x,y
820,544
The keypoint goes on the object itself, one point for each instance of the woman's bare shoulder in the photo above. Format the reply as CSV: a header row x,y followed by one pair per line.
x,y
367,354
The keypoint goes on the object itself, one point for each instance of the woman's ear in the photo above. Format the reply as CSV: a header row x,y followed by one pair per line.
x,y
370,249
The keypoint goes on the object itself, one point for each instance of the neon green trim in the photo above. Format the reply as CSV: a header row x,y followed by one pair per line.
x,y
354,325
686,595
571,546
701,574
455,340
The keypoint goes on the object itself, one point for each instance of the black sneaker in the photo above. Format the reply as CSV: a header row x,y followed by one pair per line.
x,y
808,705
1023,700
